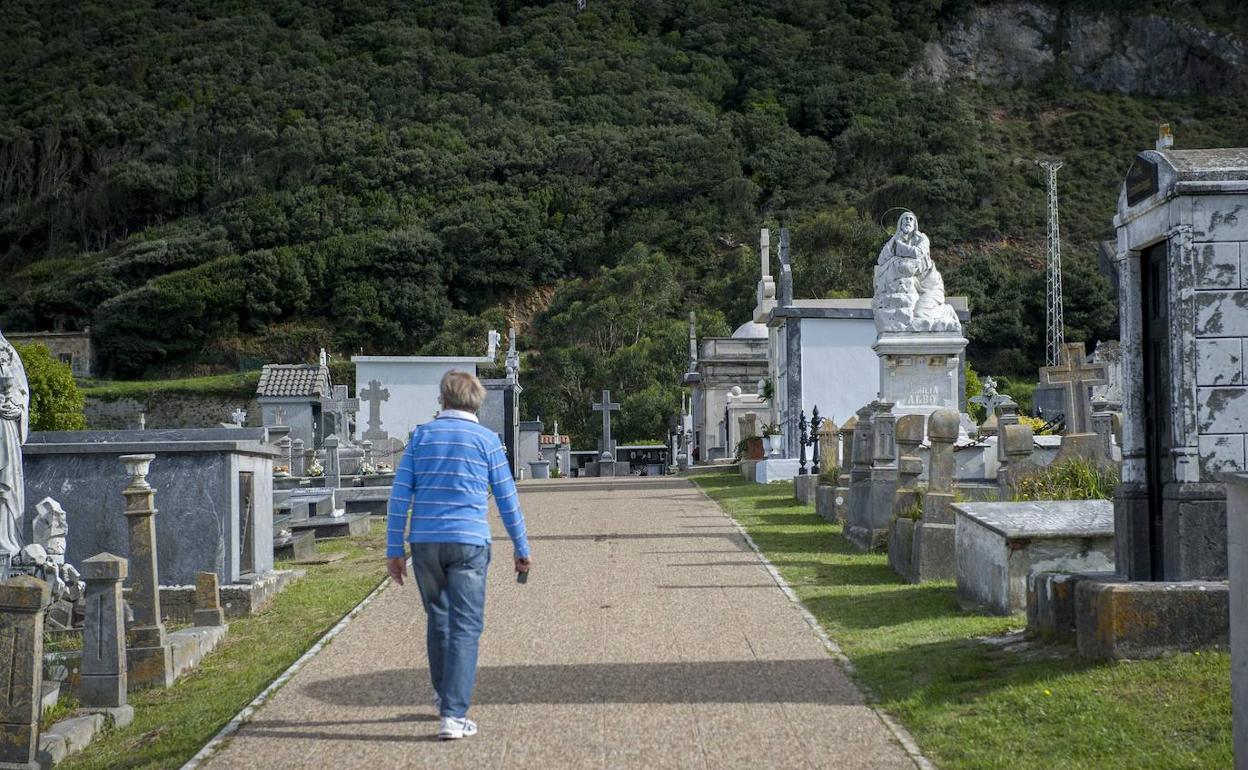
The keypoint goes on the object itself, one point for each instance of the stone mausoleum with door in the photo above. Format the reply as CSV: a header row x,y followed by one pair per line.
x,y
1182,250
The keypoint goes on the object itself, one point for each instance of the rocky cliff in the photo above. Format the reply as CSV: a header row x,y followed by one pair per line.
x,y
1019,44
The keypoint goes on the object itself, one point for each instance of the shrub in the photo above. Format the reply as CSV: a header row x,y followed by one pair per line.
x,y
1074,479
55,401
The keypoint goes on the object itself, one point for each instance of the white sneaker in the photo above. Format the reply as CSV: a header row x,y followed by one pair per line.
x,y
453,729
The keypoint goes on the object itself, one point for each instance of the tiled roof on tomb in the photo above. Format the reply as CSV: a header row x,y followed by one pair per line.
x,y
284,380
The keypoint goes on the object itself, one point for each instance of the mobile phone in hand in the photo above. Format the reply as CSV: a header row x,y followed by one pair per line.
x,y
522,577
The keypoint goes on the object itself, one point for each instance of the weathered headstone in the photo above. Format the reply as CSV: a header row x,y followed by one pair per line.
x,y
150,661
1016,443
333,463
22,601
1075,375
829,446
840,500
933,557
102,680
869,530
298,457
208,610
860,469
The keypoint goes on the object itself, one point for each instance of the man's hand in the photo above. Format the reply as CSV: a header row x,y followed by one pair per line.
x,y
396,566
523,563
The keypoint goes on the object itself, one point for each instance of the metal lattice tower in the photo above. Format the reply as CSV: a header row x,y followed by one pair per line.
x,y
1055,324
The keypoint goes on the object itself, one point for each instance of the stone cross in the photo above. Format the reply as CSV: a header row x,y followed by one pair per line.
x,y
342,406
990,399
693,342
149,654
1076,375
208,610
103,675
239,416
22,602
374,394
607,407
491,345
764,252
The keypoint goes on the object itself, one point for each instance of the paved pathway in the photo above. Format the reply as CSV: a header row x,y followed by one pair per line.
x,y
650,635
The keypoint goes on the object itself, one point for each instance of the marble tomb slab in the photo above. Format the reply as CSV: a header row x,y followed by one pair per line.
x,y
1000,544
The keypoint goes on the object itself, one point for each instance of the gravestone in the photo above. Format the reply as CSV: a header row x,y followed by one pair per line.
x,y
1016,443
1000,544
374,395
208,610
840,501
868,529
860,471
1075,376
149,657
22,602
606,445
933,556
102,679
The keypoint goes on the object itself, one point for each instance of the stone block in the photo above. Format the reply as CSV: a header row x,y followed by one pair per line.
x,y
1219,362
78,732
840,503
1217,266
825,502
933,556
1222,314
22,600
1194,532
149,667
1221,454
117,717
1000,544
347,525
901,546
1051,603
1222,410
804,488
52,749
775,469
1115,620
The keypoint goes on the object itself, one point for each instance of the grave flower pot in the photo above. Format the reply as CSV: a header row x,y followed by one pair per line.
x,y
773,444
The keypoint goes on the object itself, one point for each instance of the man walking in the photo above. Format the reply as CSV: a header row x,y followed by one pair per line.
x,y
440,501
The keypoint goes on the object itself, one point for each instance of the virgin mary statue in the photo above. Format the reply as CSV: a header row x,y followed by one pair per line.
x,y
14,425
909,292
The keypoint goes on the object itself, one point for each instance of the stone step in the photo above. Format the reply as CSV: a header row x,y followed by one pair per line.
x,y
51,694
347,525
309,504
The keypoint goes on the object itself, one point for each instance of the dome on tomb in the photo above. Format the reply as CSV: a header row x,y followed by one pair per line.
x,y
750,330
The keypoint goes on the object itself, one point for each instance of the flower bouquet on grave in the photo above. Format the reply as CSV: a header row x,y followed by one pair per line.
x,y
281,471
315,469
771,430
385,468
367,469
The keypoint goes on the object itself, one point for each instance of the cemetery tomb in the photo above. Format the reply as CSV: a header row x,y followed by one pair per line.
x,y
1000,544
720,367
215,488
292,395
1184,309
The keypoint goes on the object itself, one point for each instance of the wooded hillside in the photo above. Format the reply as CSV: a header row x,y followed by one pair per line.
x,y
210,183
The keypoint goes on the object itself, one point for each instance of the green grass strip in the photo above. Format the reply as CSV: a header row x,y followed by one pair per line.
x,y
171,725
970,704
242,384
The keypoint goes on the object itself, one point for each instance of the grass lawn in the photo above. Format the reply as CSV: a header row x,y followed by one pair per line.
x,y
243,384
171,725
970,704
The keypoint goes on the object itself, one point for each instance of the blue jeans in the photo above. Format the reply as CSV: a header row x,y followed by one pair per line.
x,y
451,578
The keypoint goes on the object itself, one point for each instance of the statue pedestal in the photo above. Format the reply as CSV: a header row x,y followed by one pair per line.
x,y
920,372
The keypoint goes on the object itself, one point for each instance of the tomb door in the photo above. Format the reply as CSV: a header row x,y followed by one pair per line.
x,y
246,523
1158,425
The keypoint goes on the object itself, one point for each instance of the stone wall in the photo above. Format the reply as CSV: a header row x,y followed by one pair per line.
x,y
168,410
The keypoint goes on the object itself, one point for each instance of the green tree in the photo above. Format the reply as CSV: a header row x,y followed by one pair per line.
x,y
55,401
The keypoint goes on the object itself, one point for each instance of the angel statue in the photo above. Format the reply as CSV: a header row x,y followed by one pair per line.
x,y
14,426
909,292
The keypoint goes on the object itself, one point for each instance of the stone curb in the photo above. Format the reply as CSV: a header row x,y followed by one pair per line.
x,y
899,732
250,709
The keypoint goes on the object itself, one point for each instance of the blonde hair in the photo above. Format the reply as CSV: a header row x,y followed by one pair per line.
x,y
461,390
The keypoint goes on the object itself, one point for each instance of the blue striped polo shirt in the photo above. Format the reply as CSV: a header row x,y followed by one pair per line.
x,y
442,486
